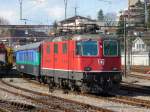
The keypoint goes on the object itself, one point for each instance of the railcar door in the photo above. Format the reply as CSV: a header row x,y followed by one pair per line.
x,y
55,64
65,60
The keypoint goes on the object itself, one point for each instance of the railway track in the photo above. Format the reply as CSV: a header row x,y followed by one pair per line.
x,y
141,69
10,106
124,86
139,76
130,101
135,88
124,100
54,103
119,98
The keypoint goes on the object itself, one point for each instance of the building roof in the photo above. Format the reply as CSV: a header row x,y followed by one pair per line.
x,y
72,19
28,46
146,40
133,2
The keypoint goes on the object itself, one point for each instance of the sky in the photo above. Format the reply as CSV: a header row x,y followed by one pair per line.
x,y
47,11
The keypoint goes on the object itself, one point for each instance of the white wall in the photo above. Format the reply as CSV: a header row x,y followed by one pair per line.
x,y
138,59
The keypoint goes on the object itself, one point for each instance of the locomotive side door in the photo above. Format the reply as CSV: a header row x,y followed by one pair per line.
x,y
65,59
55,60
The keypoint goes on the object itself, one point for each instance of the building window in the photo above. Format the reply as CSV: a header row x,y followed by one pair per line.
x,y
64,48
133,45
142,46
137,46
56,48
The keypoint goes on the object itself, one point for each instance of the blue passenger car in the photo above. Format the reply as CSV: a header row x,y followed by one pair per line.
x,y
28,59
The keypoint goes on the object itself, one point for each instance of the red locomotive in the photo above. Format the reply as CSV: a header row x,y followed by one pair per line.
x,y
87,62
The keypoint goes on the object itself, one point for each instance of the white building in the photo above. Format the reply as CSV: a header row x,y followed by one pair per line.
x,y
133,2
139,45
140,52
76,23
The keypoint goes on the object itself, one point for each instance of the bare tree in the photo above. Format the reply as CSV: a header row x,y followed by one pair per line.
x,y
110,19
3,31
4,21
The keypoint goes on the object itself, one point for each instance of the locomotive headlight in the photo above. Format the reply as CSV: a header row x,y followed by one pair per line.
x,y
87,68
115,69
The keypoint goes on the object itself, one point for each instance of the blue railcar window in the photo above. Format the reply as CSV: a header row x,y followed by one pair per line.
x,y
87,48
20,57
23,56
17,57
27,56
31,56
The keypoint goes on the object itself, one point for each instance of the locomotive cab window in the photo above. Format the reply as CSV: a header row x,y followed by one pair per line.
x,y
110,48
87,48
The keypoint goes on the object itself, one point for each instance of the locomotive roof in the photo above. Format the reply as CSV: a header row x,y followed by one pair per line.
x,y
82,37
28,46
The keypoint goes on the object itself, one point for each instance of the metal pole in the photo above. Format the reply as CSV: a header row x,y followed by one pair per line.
x,y
21,6
76,11
146,13
128,40
149,56
66,3
20,1
125,48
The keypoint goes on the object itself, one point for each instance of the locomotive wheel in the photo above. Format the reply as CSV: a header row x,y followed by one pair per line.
x,y
72,85
83,89
51,88
115,87
50,82
72,88
65,86
38,79
106,88
44,80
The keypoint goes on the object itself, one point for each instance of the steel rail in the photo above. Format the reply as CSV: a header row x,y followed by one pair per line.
x,y
85,106
9,106
115,98
135,88
139,76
